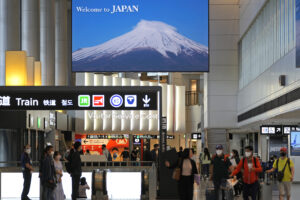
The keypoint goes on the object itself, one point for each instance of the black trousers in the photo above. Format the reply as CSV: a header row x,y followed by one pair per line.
x,y
26,186
250,190
186,188
217,185
75,185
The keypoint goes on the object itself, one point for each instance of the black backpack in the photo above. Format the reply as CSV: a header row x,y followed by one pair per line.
x,y
255,160
69,163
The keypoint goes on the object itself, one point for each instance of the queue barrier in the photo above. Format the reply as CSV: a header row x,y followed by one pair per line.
x,y
99,187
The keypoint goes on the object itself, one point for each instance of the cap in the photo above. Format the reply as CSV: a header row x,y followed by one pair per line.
x,y
219,146
283,149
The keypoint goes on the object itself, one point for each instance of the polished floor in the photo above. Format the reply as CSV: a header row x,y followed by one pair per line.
x,y
199,193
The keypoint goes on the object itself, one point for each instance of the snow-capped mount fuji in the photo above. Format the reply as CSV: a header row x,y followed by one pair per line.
x,y
151,45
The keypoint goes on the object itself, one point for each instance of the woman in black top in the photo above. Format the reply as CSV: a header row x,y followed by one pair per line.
x,y
188,170
238,186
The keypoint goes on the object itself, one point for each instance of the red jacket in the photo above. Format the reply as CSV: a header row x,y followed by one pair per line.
x,y
248,177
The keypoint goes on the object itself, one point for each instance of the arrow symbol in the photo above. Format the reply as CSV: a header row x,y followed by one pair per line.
x,y
146,100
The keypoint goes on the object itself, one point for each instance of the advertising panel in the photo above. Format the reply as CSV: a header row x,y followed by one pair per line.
x,y
140,35
115,144
295,143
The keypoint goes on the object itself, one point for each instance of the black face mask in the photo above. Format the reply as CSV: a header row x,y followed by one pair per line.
x,y
282,154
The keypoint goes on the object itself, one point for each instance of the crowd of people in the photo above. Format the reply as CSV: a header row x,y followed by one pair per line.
x,y
51,173
218,168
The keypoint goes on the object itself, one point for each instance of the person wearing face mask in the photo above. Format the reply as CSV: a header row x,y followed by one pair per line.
x,y
235,159
219,170
251,168
285,166
76,170
48,175
27,171
58,192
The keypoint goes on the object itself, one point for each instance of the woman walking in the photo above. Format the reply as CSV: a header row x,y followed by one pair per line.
x,y
205,162
58,191
188,171
235,160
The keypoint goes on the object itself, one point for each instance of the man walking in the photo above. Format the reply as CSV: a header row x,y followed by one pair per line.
x,y
285,166
76,169
27,171
251,168
219,170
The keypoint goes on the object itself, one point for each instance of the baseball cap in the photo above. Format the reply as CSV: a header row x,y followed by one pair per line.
x,y
283,149
219,146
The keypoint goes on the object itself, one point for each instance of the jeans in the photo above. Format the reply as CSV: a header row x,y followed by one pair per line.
x,y
205,169
27,182
250,190
48,193
75,185
217,185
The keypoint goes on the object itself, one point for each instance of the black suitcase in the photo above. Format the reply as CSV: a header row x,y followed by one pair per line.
x,y
210,193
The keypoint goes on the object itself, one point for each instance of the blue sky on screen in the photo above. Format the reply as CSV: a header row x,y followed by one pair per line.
x,y
189,17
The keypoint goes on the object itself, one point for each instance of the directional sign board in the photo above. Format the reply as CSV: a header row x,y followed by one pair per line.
x,y
271,130
196,136
79,98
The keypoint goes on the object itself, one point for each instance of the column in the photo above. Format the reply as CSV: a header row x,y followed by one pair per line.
x,y
30,28
61,42
9,31
47,37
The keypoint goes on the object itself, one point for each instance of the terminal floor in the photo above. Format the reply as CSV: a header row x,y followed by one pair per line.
x,y
199,193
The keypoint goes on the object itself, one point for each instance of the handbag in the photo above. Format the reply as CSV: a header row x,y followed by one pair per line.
x,y
197,178
50,185
176,174
280,174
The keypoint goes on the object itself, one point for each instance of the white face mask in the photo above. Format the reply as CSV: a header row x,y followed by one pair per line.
x,y
52,153
28,151
247,154
231,154
219,152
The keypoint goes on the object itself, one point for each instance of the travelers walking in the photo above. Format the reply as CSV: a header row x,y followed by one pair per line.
x,y
106,153
205,160
251,168
58,191
220,167
82,188
27,170
155,153
48,175
235,160
180,152
187,171
286,171
76,169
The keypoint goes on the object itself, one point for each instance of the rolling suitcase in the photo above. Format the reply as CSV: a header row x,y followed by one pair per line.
x,y
210,193
265,189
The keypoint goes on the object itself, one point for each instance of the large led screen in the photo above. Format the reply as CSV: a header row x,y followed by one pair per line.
x,y
295,143
139,35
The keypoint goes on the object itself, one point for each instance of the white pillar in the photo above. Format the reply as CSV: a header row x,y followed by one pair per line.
x,y
61,42
9,31
30,28
47,36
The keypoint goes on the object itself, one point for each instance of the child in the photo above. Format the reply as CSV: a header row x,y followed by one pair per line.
x,y
82,188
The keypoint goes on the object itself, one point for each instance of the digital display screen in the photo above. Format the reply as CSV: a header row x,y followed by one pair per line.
x,y
295,143
140,35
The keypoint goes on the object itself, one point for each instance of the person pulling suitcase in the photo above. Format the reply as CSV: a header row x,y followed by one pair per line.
x,y
251,168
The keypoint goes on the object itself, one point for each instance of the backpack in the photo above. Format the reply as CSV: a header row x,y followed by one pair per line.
x,y
255,165
280,174
69,163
